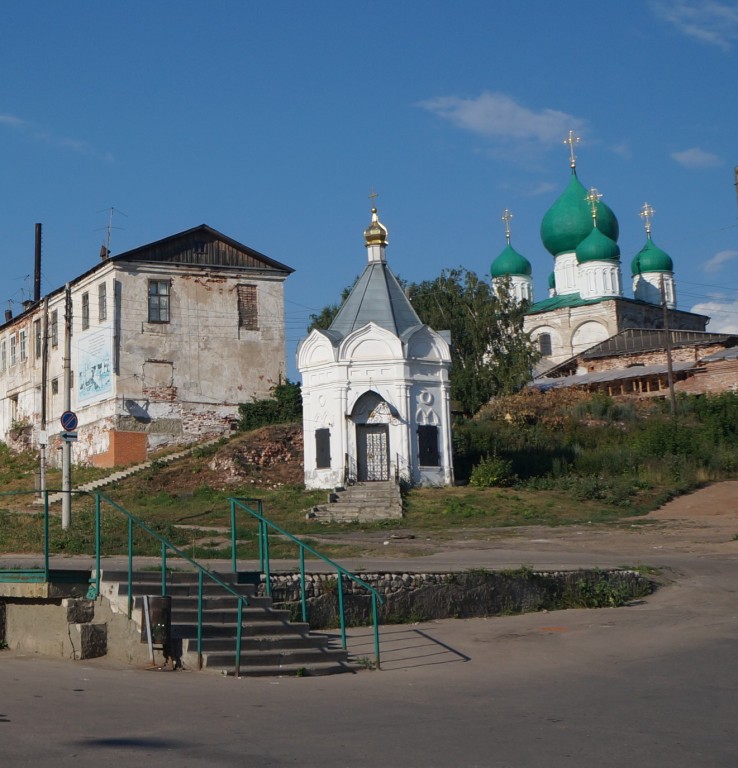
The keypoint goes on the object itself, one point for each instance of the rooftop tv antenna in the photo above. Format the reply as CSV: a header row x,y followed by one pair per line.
x,y
105,247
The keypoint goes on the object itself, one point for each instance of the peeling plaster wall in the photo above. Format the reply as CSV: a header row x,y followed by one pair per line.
x,y
178,381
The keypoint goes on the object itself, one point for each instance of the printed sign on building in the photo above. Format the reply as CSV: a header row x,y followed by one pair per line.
x,y
95,364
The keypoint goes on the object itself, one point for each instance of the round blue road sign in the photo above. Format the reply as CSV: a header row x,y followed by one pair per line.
x,y
69,421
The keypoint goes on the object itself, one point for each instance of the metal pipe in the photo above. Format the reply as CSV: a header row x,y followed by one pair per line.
x,y
302,584
239,631
341,617
130,567
163,569
234,559
199,619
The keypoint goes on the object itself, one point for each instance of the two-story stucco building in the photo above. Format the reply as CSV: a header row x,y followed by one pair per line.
x,y
166,341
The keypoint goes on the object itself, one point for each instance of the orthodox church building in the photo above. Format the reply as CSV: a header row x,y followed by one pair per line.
x,y
375,386
586,305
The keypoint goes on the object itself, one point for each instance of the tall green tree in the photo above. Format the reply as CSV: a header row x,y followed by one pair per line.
x,y
491,354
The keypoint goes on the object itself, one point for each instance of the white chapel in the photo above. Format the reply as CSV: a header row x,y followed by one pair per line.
x,y
375,386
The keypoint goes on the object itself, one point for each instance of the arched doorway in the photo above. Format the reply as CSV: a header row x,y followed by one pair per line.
x,y
372,416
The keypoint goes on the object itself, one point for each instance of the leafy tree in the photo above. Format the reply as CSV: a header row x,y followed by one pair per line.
x,y
324,318
284,407
491,354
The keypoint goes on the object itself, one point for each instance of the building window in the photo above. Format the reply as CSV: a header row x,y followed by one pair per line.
x,y
23,346
102,302
37,338
200,246
544,344
428,446
3,355
158,301
55,386
85,311
248,310
54,329
12,350
322,448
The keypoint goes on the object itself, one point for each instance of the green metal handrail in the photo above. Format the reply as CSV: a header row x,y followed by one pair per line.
x,y
166,546
265,567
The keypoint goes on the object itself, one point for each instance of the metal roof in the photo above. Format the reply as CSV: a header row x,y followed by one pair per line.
x,y
617,374
376,298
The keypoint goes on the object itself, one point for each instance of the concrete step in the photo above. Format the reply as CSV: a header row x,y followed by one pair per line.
x,y
251,661
271,644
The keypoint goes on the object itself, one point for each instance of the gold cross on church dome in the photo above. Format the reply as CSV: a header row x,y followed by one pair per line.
x,y
372,196
506,216
593,197
646,214
571,141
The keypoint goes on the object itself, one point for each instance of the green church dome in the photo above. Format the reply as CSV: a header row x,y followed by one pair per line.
x,y
569,220
651,259
597,246
510,262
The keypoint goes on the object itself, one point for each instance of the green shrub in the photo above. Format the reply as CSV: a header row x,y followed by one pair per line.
x,y
284,407
492,472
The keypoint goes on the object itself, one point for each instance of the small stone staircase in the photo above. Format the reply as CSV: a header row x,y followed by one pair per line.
x,y
361,503
271,644
121,474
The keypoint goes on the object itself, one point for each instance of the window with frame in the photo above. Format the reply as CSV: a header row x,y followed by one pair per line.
x,y
3,355
428,455
23,345
322,448
85,311
37,338
12,349
55,328
55,386
248,308
158,301
544,344
102,302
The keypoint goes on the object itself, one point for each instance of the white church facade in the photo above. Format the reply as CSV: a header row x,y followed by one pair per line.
x,y
586,304
375,387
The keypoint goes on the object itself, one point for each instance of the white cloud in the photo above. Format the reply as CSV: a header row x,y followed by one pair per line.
x,y
12,120
41,135
707,21
696,158
723,315
718,260
499,116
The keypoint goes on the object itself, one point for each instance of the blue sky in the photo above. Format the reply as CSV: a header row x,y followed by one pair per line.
x,y
273,121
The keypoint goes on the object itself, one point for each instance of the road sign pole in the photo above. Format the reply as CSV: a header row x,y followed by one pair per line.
x,y
66,445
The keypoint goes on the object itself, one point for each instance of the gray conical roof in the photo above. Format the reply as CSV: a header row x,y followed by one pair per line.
x,y
376,298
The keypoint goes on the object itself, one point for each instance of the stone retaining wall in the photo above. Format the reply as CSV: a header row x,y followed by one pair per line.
x,y
427,596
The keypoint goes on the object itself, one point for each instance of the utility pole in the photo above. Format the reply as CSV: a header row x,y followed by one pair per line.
x,y
44,439
66,445
669,366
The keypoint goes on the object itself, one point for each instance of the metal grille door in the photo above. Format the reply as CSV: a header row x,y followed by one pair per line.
x,y
373,452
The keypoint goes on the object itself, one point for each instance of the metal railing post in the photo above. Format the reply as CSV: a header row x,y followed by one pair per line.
x,y
130,567
267,564
46,536
239,632
375,620
163,569
234,558
98,544
303,597
199,619
341,617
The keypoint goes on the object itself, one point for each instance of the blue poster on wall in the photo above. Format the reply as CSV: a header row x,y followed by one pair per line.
x,y
95,365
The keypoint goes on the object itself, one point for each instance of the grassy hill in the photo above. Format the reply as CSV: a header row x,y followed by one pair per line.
x,y
531,459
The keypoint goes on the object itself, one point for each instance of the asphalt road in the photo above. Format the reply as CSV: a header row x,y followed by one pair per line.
x,y
654,684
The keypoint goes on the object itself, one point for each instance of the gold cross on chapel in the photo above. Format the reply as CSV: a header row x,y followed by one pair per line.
x,y
571,140
506,216
646,214
593,198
